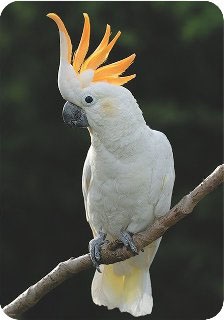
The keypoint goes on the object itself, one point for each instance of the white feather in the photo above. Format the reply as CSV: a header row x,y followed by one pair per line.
x,y
142,302
128,179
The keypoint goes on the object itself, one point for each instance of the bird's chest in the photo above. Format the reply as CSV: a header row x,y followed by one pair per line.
x,y
118,192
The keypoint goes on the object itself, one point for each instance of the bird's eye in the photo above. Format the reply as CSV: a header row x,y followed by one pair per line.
x,y
88,99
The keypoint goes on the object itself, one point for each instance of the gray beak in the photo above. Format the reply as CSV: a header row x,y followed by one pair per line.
x,y
74,115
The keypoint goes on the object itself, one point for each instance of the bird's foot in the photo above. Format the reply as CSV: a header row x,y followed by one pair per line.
x,y
126,238
95,247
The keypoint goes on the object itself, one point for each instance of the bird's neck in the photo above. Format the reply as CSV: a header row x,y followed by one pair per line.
x,y
122,143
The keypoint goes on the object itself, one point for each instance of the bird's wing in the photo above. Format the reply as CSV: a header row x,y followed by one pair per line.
x,y
164,201
86,181
164,175
86,178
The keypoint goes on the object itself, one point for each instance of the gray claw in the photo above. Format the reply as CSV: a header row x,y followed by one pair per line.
x,y
127,240
94,249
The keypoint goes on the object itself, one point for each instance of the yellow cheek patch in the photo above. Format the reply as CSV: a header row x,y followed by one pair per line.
x,y
108,108
110,73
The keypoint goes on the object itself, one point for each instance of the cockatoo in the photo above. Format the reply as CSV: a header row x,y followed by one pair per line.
x,y
128,173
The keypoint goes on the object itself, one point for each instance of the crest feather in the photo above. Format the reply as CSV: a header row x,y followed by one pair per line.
x,y
83,47
109,73
103,44
113,69
119,81
62,28
99,57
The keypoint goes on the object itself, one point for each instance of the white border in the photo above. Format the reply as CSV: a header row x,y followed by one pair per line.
x,y
220,5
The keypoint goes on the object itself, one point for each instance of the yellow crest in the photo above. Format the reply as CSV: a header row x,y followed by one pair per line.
x,y
110,73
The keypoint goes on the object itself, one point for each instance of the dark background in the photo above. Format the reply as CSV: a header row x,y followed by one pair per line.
x,y
178,87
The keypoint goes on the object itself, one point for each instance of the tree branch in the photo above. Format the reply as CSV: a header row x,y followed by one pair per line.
x,y
115,251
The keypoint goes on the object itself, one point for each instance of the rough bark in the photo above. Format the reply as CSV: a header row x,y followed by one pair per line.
x,y
115,251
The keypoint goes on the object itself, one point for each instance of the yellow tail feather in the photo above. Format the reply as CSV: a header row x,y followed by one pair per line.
x,y
129,292
126,285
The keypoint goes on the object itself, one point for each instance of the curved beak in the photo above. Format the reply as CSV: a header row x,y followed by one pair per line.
x,y
74,115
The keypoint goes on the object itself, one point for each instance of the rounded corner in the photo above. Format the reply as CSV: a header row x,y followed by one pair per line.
x,y
216,6
3,8
218,314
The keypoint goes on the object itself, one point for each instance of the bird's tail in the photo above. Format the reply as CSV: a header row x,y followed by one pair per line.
x,y
126,285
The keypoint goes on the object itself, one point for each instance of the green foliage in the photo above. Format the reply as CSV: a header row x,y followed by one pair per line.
x,y
198,21
179,88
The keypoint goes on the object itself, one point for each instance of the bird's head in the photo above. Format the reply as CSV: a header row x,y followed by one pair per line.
x,y
94,93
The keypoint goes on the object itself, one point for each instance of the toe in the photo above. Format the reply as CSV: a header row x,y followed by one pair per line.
x,y
94,249
97,254
127,240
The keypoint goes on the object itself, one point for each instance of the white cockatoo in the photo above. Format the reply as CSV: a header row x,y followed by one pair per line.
x,y
128,174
